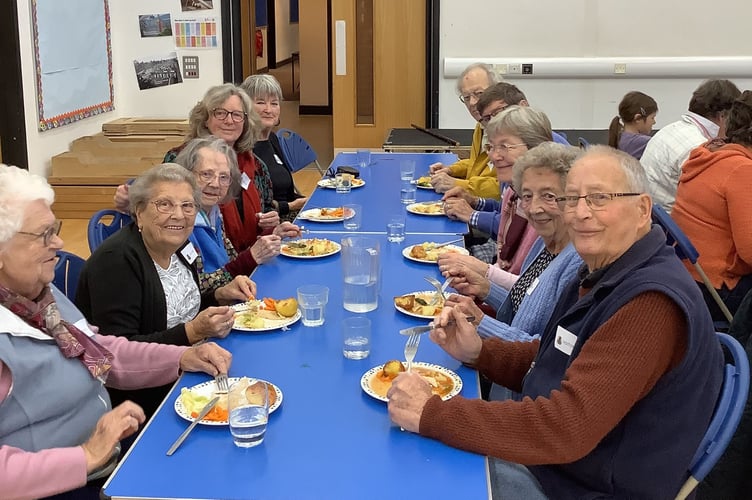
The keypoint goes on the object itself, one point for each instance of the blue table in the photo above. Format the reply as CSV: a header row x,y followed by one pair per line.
x,y
381,195
328,439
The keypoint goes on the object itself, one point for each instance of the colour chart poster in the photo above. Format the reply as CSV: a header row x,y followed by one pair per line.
x,y
198,33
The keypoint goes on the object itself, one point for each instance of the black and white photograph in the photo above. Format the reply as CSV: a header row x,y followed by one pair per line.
x,y
155,25
188,5
157,71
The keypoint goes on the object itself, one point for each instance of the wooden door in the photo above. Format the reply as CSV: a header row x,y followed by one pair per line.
x,y
379,69
248,36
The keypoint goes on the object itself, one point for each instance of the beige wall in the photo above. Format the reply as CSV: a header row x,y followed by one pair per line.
x,y
314,49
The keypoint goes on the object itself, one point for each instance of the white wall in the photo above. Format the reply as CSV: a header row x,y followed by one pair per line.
x,y
590,28
286,33
127,44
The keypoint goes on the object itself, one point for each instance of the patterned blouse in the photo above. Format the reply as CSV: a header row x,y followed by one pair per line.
x,y
181,293
525,283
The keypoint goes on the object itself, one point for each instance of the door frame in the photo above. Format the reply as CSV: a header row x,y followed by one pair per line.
x,y
433,62
13,120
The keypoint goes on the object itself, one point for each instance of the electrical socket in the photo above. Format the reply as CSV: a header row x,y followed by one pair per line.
x,y
527,69
515,69
620,69
501,69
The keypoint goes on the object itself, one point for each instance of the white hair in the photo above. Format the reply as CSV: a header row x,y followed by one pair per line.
x,y
18,188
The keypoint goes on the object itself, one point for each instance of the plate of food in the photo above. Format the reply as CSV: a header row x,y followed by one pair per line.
x,y
331,183
192,400
310,248
419,304
377,381
265,315
329,214
424,182
427,208
428,251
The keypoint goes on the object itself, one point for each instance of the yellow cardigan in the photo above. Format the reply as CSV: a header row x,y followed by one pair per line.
x,y
474,174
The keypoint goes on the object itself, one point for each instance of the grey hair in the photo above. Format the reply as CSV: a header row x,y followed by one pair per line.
x,y
260,86
558,158
637,181
18,188
189,158
141,191
214,98
529,124
490,73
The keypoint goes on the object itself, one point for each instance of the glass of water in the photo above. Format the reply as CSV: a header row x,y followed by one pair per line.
x,y
312,300
353,214
343,183
249,412
356,337
395,228
363,157
407,170
407,192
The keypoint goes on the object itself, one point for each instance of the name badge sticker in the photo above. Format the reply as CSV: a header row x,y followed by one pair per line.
x,y
189,252
565,340
245,181
277,159
532,286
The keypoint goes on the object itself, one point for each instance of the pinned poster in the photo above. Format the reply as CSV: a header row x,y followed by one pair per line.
x,y
198,33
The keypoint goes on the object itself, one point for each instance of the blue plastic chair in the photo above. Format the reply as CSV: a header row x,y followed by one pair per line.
x,y
99,230
298,152
728,412
67,270
686,250
584,144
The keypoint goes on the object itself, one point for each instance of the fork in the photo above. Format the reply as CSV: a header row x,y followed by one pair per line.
x,y
223,387
411,349
440,288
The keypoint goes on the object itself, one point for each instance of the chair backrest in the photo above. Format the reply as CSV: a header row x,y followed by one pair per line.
x,y
728,412
98,230
67,270
685,250
298,152
584,144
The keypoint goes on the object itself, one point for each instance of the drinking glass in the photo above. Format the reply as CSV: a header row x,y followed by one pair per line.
x,y
363,157
395,228
312,300
343,182
353,214
407,170
407,192
248,401
356,337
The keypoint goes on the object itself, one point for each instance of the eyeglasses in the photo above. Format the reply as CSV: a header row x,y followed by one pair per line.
x,y
501,148
465,98
595,201
547,198
221,114
47,234
207,176
168,207
487,118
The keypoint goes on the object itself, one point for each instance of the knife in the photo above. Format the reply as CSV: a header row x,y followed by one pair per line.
x,y
440,245
185,433
417,330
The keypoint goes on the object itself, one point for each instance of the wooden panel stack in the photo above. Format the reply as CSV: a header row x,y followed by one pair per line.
x,y
85,178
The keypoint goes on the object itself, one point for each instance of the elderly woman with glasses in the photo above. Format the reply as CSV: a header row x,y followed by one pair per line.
x,y
510,135
628,357
266,95
142,283
58,429
226,112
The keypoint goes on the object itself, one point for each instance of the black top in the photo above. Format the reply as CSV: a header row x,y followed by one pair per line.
x,y
270,152
120,292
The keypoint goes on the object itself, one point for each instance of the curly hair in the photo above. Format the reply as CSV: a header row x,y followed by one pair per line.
x,y
739,121
18,188
713,97
214,98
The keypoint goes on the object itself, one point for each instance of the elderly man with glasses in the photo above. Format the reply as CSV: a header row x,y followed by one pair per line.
x,y
620,388
472,173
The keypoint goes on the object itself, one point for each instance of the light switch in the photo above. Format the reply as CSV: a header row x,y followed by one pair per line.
x,y
190,66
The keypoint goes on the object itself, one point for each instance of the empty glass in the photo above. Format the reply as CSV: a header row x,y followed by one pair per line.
x,y
363,157
353,214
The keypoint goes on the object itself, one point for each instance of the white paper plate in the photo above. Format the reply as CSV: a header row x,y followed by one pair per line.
x,y
426,295
414,208
455,248
337,249
269,324
365,380
207,389
331,183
